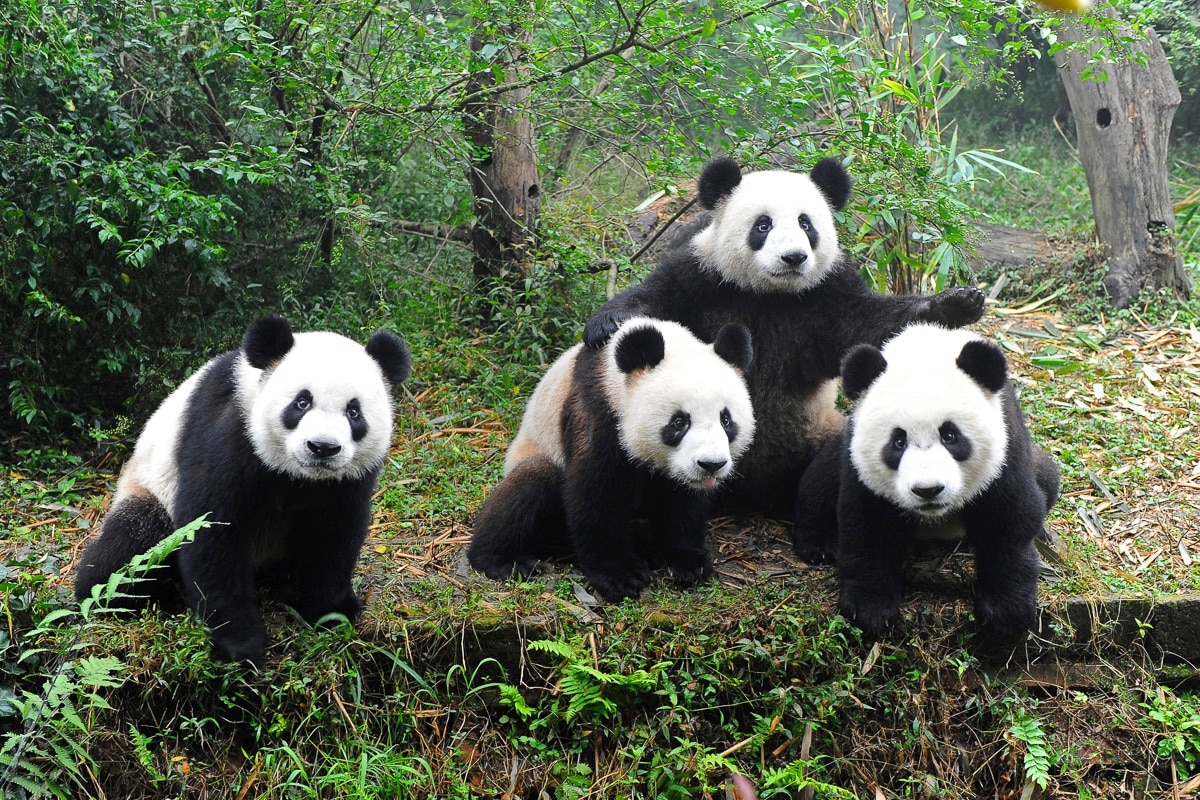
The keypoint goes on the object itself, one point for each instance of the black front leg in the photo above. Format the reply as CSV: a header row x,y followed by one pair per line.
x,y
872,544
323,552
218,584
952,308
682,520
598,498
815,525
1002,528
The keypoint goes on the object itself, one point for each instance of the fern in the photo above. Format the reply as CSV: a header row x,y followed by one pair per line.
x,y
1027,729
589,689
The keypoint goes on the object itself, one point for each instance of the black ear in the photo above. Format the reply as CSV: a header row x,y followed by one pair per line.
x,y
718,178
733,345
392,354
267,340
834,182
985,364
860,367
640,348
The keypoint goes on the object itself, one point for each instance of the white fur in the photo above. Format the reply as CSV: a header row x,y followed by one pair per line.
x,y
541,427
723,247
691,377
921,389
335,370
154,468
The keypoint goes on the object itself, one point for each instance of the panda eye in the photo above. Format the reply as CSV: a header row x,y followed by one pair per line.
x,y
353,413
763,224
949,435
899,440
726,418
302,403
805,223
679,421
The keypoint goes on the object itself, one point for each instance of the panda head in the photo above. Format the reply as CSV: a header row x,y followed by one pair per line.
x,y
772,232
682,407
927,431
317,406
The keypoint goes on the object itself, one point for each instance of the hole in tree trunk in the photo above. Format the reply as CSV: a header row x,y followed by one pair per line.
x,y
533,190
1103,118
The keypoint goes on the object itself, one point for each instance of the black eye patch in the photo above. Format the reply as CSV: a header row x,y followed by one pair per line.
x,y
810,230
955,442
894,449
673,432
731,427
759,232
296,409
358,422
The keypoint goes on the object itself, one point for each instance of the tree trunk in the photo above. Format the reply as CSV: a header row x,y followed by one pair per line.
x,y
1123,125
503,173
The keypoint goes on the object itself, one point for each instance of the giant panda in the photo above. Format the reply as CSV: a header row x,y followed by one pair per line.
x,y
280,443
648,426
936,447
769,259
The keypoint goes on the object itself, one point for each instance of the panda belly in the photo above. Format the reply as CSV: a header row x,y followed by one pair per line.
x,y
946,529
792,428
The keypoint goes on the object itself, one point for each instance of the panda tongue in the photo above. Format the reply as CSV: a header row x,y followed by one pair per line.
x,y
708,483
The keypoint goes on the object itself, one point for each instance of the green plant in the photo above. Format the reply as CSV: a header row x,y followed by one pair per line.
x,y
1176,722
1026,730
51,753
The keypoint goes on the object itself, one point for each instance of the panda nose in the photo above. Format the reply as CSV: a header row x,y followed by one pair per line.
x,y
712,467
928,492
794,258
323,449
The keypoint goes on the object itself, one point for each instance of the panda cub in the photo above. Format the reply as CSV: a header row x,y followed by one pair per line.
x,y
770,260
936,448
648,426
280,443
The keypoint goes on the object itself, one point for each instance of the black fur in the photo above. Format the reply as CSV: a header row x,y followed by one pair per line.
x,y
586,509
392,355
267,529
839,519
266,341
717,180
834,182
643,348
799,341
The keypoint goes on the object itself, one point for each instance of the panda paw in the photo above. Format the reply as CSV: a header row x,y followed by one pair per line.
x,y
615,582
813,548
873,615
690,567
600,328
953,308
247,648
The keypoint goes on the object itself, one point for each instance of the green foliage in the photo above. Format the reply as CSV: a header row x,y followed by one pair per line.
x,y
1026,728
590,691
171,171
50,754
1176,720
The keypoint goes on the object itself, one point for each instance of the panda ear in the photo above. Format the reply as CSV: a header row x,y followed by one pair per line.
x,y
717,180
860,367
390,351
985,364
733,345
833,180
640,348
267,340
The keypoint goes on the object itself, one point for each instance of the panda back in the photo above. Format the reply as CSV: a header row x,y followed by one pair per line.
x,y
154,467
541,426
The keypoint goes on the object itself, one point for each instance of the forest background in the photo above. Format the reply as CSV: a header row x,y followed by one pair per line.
x,y
169,171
